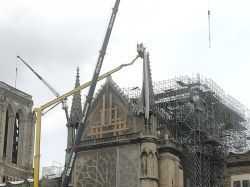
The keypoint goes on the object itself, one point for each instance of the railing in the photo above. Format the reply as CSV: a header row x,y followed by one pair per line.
x,y
238,158
118,138
129,137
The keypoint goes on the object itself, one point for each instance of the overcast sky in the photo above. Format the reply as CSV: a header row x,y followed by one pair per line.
x,y
55,37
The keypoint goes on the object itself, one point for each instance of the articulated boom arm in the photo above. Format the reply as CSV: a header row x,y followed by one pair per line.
x,y
55,102
71,160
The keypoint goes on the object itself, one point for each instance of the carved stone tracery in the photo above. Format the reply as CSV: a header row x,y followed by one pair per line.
x,y
101,171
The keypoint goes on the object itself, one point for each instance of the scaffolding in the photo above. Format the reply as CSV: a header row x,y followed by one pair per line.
x,y
53,171
197,114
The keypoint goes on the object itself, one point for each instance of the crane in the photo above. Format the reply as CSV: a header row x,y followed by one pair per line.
x,y
70,162
64,103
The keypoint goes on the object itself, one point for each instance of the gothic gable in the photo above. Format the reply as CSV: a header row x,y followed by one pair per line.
x,y
110,113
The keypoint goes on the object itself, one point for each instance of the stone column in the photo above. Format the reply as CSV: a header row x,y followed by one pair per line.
x,y
149,165
2,125
10,137
23,143
31,135
1,175
171,174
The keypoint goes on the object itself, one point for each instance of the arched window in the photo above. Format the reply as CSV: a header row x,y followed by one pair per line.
x,y
15,139
144,163
151,164
6,133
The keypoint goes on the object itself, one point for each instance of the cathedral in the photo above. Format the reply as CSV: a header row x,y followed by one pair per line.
x,y
120,146
117,149
182,132
172,133
17,128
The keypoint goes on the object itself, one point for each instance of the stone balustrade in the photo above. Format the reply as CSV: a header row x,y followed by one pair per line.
x,y
128,138
238,158
120,138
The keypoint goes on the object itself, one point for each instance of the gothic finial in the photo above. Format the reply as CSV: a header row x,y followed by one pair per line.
x,y
146,101
77,78
109,78
75,113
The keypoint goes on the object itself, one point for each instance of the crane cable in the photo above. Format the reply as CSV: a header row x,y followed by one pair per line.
x,y
209,25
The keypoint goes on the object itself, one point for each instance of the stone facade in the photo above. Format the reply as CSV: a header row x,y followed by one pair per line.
x,y
109,167
149,163
170,169
16,134
238,170
117,150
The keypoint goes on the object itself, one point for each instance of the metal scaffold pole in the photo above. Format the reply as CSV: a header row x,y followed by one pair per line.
x,y
207,123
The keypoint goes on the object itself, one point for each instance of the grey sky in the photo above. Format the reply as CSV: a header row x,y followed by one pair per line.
x,y
55,37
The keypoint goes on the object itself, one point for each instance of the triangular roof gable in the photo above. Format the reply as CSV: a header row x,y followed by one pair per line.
x,y
111,86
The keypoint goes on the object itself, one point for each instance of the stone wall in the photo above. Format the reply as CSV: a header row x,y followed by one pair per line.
x,y
15,103
171,172
116,166
149,165
237,173
238,169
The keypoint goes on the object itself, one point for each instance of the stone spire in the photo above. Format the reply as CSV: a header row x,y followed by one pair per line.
x,y
76,108
149,158
76,111
147,100
77,84
147,81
